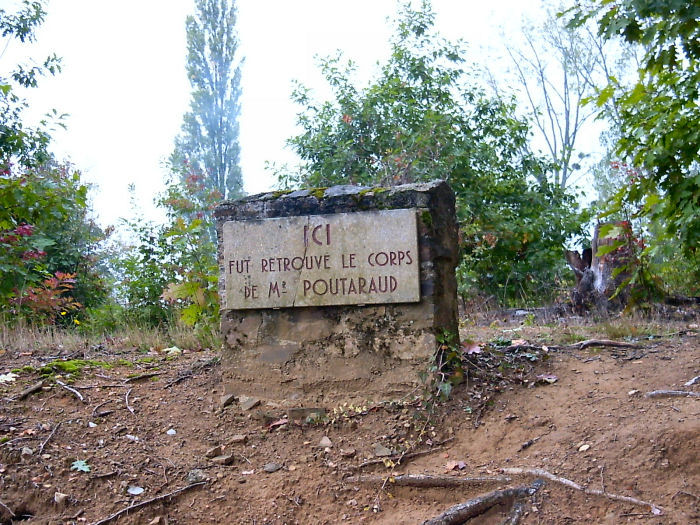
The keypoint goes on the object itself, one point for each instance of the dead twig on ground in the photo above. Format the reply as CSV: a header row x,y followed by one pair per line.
x,y
601,342
104,412
71,390
8,509
476,506
426,480
41,447
148,502
541,473
29,391
691,382
140,377
671,393
401,457
178,379
126,399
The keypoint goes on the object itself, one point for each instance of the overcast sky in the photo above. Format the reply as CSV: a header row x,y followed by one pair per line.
x,y
124,86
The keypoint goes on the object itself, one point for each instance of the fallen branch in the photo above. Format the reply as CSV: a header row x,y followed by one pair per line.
x,y
140,377
8,509
148,502
540,473
29,391
474,507
126,399
41,447
425,480
671,393
602,342
71,390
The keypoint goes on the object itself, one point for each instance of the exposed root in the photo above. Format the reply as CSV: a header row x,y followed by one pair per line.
x,y
541,473
474,507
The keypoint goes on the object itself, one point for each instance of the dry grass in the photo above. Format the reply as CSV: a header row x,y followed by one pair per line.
x,y
21,337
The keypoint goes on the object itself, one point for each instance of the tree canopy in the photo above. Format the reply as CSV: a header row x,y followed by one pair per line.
x,y
425,117
210,130
660,113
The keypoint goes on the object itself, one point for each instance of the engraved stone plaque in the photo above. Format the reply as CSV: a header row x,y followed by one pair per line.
x,y
317,260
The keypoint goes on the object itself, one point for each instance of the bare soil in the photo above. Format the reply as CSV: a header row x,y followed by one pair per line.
x,y
593,425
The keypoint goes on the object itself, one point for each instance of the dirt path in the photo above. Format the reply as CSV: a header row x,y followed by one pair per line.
x,y
593,425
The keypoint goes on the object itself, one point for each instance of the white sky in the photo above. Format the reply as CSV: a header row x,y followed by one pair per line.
x,y
124,87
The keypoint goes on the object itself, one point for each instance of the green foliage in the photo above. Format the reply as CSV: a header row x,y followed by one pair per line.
x,y
659,114
19,143
194,291
170,271
209,139
48,244
425,118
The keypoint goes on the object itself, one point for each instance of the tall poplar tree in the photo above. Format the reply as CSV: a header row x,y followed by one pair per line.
x,y
209,138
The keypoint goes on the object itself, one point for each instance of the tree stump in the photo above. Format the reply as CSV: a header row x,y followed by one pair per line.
x,y
595,284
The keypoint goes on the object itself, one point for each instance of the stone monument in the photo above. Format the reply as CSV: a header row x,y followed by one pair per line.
x,y
335,286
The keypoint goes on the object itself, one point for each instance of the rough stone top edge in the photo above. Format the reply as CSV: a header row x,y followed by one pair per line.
x,y
332,191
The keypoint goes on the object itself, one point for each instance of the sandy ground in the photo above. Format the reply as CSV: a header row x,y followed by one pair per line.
x,y
592,425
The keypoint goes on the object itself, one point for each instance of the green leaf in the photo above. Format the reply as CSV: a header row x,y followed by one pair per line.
x,y
608,248
80,465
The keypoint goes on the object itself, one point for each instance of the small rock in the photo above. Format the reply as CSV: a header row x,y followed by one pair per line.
x,y
248,403
214,451
171,432
91,424
583,448
196,476
132,438
227,399
155,521
325,442
173,350
271,467
60,498
225,459
238,438
381,451
134,490
26,452
347,453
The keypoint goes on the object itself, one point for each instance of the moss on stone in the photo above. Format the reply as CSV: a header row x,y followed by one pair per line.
x,y
280,193
70,367
427,218
319,193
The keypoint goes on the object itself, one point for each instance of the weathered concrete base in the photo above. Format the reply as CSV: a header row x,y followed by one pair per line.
x,y
365,351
